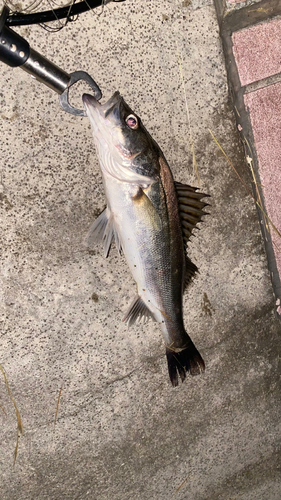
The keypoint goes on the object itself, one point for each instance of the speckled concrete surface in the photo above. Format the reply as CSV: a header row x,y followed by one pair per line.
x,y
122,431
257,51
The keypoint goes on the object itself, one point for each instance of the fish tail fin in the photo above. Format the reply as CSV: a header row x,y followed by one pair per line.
x,y
187,360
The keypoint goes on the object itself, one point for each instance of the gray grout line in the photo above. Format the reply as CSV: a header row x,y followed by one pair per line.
x,y
247,16
260,84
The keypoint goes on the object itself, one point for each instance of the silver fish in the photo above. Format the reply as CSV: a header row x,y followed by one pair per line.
x,y
151,218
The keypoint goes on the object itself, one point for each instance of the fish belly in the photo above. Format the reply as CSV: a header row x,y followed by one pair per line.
x,y
144,236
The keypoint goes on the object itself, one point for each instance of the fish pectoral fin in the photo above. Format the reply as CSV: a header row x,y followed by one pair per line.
x,y
137,311
190,208
96,231
103,230
145,203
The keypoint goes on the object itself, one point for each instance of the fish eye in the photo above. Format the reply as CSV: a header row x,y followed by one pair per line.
x,y
132,121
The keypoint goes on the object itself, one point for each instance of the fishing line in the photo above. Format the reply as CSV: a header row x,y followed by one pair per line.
x,y
36,13
92,10
194,162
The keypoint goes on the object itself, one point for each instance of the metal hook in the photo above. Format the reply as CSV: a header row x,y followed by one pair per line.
x,y
76,76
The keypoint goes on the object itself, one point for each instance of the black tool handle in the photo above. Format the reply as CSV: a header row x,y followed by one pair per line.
x,y
14,50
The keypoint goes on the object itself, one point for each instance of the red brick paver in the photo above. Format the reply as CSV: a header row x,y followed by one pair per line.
x,y
265,113
257,51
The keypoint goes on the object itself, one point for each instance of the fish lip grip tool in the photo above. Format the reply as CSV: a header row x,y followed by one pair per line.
x,y
16,52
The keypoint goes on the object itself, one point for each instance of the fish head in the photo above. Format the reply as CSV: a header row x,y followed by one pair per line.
x,y
121,139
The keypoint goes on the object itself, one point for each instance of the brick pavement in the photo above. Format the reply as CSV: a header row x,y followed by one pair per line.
x,y
251,38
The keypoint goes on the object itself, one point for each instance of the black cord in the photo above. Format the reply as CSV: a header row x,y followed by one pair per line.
x,y
18,19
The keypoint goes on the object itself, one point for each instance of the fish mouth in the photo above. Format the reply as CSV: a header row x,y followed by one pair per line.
x,y
90,102
105,122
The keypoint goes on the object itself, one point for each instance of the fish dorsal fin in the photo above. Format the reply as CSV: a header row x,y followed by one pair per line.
x,y
190,271
190,208
137,311
191,213
103,230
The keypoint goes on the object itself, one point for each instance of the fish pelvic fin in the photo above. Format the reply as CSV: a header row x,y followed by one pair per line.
x,y
187,360
103,230
138,311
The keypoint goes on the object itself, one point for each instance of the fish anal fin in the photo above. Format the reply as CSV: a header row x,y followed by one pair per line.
x,y
190,208
138,311
103,230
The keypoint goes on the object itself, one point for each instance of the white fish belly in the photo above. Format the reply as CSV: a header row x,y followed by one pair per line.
x,y
142,238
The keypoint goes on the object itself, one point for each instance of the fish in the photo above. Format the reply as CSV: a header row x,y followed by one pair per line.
x,y
151,218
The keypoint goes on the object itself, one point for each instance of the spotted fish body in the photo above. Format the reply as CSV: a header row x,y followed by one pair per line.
x,y
151,219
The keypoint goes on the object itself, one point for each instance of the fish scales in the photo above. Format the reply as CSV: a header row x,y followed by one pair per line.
x,y
151,218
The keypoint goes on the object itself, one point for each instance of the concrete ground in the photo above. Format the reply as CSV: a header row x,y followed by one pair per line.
x,y
100,418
